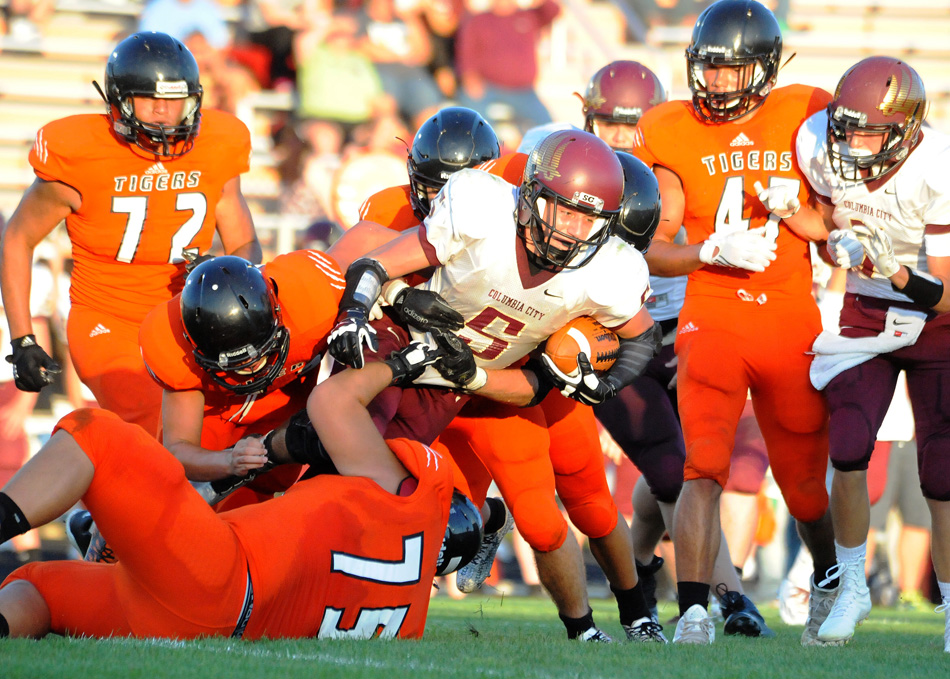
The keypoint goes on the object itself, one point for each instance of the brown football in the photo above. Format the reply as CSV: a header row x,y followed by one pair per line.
x,y
583,334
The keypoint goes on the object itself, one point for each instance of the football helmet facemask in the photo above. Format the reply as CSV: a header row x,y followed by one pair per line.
x,y
575,170
620,92
231,316
733,33
463,535
877,96
453,139
152,64
640,210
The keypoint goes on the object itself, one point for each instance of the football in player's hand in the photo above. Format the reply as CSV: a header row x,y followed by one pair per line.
x,y
583,334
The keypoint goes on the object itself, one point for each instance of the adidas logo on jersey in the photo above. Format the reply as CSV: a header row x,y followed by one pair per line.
x,y
689,327
742,140
157,168
100,329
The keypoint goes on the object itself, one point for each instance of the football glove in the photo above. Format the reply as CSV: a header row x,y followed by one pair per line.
x,y
844,248
351,332
748,250
778,199
458,363
879,249
582,385
411,361
193,259
425,310
33,368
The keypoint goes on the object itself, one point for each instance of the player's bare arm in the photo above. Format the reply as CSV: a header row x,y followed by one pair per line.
x,y
359,239
337,409
235,225
666,258
44,205
182,421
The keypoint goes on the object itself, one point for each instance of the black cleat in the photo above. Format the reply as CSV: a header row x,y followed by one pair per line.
x,y
741,615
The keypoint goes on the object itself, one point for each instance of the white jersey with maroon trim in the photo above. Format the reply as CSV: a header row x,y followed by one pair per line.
x,y
914,196
483,273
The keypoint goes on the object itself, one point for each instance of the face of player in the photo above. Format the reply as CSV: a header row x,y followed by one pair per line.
x,y
722,79
572,222
618,136
865,142
165,112
253,369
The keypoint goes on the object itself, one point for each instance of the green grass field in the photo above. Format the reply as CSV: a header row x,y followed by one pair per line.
x,y
496,637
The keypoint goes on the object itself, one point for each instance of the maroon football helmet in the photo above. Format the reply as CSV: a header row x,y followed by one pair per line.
x,y
577,170
620,92
877,95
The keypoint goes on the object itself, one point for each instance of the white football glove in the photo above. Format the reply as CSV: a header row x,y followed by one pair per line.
x,y
844,248
879,249
748,250
778,199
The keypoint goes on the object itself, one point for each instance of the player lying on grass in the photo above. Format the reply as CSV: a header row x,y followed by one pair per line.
x,y
345,555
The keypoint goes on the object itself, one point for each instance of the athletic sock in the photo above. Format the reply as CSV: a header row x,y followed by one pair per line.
x,y
692,593
631,603
577,626
498,515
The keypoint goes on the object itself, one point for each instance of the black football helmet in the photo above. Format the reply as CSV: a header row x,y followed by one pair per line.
x,y
640,210
573,169
231,316
453,139
463,535
878,95
741,33
151,64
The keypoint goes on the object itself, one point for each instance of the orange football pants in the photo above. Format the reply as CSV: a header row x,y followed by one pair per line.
x,y
170,581
105,351
728,348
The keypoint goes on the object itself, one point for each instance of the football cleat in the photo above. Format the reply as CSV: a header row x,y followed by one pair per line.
x,y
595,635
695,627
78,527
645,630
820,602
99,551
471,576
852,605
646,574
945,609
740,615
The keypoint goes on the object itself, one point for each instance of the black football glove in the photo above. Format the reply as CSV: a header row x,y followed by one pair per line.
x,y
585,386
33,368
458,362
193,259
351,332
426,310
411,361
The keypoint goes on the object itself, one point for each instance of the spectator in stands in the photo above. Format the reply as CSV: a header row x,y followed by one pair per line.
x,y
497,60
271,25
442,21
394,37
181,18
25,19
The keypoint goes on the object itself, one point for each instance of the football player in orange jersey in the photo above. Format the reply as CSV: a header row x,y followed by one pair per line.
x,y
292,567
141,190
749,317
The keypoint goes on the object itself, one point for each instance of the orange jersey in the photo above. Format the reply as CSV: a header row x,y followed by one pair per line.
x,y
719,166
309,288
393,209
138,211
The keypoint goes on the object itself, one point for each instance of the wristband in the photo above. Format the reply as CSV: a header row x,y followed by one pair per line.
x,y
922,289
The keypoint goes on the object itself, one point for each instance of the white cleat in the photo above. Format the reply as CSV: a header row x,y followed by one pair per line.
x,y
852,605
596,636
695,627
945,609
793,603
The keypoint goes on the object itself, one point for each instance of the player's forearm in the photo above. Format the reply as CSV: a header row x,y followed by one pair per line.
x,y
807,224
671,259
16,279
512,385
251,251
200,463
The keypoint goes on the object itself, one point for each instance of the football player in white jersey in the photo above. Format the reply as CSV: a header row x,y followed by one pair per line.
x,y
515,262
882,182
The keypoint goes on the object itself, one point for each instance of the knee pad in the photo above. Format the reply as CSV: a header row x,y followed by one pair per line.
x,y
539,520
808,501
595,519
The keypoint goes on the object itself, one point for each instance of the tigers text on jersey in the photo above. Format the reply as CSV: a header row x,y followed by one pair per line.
x,y
718,168
913,196
136,208
482,272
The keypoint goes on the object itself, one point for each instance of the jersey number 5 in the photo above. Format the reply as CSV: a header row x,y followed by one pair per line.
x,y
136,207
